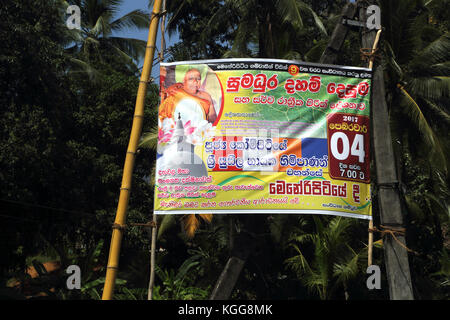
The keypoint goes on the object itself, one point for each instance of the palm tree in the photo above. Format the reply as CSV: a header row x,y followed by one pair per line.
x,y
418,72
257,28
417,65
99,25
199,38
416,61
267,28
324,260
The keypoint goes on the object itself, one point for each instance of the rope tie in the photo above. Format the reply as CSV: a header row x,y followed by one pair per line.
x,y
119,226
369,54
392,231
158,14
150,224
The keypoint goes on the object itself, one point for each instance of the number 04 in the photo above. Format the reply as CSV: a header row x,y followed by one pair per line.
x,y
357,148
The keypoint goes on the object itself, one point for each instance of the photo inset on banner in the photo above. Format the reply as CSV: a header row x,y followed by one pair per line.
x,y
191,98
191,92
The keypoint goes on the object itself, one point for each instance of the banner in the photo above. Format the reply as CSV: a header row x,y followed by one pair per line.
x,y
263,136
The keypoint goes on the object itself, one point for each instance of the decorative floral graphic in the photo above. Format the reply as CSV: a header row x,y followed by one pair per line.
x,y
197,136
194,135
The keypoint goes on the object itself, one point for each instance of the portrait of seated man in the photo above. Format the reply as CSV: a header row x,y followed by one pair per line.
x,y
187,100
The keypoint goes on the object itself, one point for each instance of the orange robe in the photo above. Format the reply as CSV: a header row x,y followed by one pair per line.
x,y
167,107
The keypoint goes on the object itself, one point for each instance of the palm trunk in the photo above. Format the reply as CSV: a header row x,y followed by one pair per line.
x,y
243,245
154,228
230,274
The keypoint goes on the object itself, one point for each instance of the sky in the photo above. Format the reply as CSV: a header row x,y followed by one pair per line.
x,y
130,5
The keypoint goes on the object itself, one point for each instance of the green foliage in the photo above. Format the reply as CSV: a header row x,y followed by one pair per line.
x,y
63,144
177,285
416,57
199,38
99,22
332,263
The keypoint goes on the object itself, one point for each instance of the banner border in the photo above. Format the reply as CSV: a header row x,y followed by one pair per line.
x,y
268,211
312,64
282,62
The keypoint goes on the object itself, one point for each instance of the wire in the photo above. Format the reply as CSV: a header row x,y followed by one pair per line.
x,y
17,218
47,207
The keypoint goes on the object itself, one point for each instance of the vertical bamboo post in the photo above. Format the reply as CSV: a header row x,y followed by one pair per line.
x,y
155,223
119,223
151,282
370,244
395,256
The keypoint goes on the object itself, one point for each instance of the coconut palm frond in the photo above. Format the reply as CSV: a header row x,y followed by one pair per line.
x,y
438,207
136,19
80,66
244,35
442,69
207,217
316,51
98,26
167,222
413,207
128,47
290,11
174,19
346,270
413,110
316,283
101,27
318,22
292,55
337,231
430,87
392,62
331,258
439,111
150,139
415,113
436,52
190,224
221,15
303,238
298,263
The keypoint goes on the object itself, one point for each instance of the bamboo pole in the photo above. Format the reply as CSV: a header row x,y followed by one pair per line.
x,y
155,225
375,44
152,259
395,256
119,223
370,244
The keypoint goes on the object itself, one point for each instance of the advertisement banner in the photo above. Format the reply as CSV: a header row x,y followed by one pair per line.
x,y
263,136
